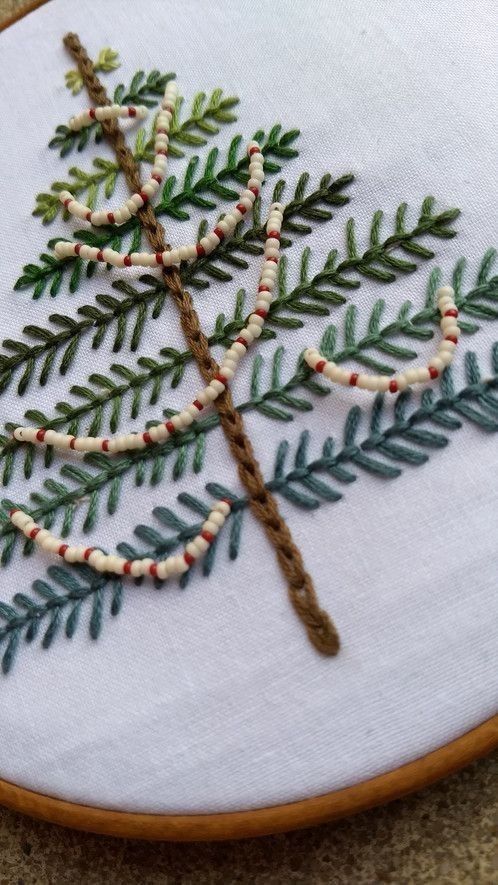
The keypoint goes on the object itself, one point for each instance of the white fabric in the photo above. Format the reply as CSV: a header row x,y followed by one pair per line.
x,y
212,698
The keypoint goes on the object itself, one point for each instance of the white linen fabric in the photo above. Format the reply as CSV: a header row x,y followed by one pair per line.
x,y
212,698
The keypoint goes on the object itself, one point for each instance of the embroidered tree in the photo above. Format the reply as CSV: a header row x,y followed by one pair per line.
x,y
119,319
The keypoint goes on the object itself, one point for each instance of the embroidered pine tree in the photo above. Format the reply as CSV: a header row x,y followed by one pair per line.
x,y
308,477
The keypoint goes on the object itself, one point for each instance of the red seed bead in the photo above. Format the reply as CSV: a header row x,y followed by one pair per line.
x,y
452,312
143,196
62,549
72,442
264,288
320,365
261,313
275,234
272,258
163,152
110,218
157,177
88,216
198,405
254,150
241,340
221,378
452,338
88,552
433,372
393,386
255,191
242,209
100,255
33,533
207,537
200,250
66,202
227,501
77,248
353,379
159,257
132,112
105,445
153,569
161,131
127,261
14,510
189,559
127,567
146,437
91,113
219,233
170,427
40,435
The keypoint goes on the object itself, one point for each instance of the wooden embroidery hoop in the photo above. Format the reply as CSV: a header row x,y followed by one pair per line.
x,y
261,821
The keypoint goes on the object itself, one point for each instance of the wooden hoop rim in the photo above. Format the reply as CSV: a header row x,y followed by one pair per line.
x,y
260,821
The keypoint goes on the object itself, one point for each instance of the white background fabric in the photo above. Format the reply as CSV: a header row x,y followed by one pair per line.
x,y
212,698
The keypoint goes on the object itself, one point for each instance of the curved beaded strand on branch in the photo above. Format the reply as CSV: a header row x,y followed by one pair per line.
x,y
170,567
443,357
205,397
130,206
189,252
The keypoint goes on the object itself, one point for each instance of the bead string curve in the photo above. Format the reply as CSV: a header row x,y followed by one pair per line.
x,y
112,112
444,356
231,358
108,562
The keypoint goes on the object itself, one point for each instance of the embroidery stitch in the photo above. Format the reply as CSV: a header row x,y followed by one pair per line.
x,y
107,60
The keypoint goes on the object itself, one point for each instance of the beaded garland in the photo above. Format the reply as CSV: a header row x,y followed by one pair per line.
x,y
136,201
183,419
104,562
444,356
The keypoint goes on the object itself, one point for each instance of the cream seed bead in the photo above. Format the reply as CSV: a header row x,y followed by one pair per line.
x,y
437,363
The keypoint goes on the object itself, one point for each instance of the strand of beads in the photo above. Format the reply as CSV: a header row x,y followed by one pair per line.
x,y
103,562
205,246
183,419
130,206
106,112
443,357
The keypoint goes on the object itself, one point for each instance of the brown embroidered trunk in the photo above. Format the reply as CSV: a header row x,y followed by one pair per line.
x,y
321,630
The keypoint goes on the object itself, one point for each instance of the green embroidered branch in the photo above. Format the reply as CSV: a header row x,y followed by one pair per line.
x,y
58,601
106,173
193,192
147,90
107,60
99,392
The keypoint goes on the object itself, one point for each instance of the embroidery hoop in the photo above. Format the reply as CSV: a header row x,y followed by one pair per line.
x,y
330,806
